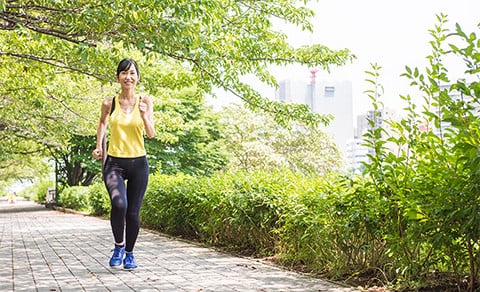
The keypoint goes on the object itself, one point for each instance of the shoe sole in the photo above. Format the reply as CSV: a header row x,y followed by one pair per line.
x,y
116,267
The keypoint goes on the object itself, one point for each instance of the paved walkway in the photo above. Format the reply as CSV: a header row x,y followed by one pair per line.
x,y
46,250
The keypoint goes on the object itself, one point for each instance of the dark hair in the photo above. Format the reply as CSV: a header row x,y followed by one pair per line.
x,y
125,64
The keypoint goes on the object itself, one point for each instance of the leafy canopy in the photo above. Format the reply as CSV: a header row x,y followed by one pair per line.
x,y
58,57
221,41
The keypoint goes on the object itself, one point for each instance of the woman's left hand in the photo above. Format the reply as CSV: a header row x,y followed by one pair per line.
x,y
146,111
142,106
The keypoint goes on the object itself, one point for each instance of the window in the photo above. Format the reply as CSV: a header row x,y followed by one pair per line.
x,y
329,91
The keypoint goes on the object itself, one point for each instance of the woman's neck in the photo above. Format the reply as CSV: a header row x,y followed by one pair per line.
x,y
128,94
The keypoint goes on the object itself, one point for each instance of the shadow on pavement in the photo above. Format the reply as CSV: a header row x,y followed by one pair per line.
x,y
21,205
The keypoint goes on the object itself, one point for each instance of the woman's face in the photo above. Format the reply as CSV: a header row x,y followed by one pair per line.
x,y
128,78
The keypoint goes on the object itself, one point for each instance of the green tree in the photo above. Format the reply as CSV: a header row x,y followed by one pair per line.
x,y
38,116
191,140
256,141
74,164
220,40
56,55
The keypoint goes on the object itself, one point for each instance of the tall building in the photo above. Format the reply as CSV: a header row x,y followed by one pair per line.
x,y
291,91
357,153
324,97
335,98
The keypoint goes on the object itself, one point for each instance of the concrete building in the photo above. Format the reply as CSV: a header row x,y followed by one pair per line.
x,y
324,97
291,91
357,153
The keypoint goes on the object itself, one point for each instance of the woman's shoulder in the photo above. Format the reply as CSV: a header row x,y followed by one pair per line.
x,y
107,101
108,105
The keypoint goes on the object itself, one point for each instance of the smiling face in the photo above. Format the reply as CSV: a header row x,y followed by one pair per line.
x,y
128,78
128,74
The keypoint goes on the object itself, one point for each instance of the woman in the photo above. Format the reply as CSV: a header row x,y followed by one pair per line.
x,y
130,116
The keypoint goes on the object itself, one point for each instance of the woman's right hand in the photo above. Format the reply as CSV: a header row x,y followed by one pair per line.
x,y
97,153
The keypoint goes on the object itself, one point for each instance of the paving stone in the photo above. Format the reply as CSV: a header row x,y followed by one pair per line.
x,y
48,250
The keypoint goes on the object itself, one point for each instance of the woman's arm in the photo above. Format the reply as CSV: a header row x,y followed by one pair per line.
x,y
102,127
146,111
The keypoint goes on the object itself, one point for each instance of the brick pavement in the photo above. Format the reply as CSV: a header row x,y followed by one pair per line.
x,y
46,250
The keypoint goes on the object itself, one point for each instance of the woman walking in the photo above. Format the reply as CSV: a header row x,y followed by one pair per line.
x,y
130,117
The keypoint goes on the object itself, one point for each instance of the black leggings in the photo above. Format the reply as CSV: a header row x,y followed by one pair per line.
x,y
126,201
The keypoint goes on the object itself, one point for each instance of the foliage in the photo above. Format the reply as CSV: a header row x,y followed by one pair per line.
x,y
239,210
51,50
432,218
243,210
274,213
167,204
20,159
98,200
256,141
40,114
38,191
75,166
190,138
74,198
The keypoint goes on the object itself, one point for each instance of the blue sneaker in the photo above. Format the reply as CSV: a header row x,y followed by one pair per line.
x,y
129,262
117,257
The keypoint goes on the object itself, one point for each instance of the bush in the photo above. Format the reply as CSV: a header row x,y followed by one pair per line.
x,y
167,204
98,200
75,198
324,224
38,191
241,210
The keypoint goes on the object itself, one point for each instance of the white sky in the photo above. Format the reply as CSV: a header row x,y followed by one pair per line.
x,y
392,34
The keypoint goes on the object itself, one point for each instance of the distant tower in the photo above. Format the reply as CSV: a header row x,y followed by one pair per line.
x,y
311,90
313,76
326,98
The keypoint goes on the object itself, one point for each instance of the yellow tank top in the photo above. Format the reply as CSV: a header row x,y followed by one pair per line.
x,y
126,133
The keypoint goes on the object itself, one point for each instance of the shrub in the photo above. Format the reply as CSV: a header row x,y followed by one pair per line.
x,y
167,204
243,210
39,190
74,198
239,210
98,200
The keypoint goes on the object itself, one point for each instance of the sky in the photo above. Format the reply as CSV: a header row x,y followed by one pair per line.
x,y
392,34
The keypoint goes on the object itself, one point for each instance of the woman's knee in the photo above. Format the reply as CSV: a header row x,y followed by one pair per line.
x,y
133,216
119,205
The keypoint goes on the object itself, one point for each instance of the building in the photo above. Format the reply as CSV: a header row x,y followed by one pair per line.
x,y
291,91
324,97
357,152
356,155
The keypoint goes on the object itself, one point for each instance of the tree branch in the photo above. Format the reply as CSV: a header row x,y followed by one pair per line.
x,y
53,62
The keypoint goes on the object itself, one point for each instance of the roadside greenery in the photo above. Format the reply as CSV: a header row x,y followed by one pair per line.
x,y
431,182
410,221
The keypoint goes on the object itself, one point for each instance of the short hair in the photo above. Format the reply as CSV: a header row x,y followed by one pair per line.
x,y
125,64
